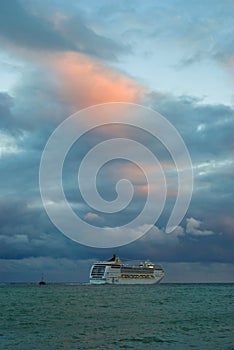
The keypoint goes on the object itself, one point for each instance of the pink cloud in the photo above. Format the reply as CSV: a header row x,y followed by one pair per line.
x,y
85,82
92,216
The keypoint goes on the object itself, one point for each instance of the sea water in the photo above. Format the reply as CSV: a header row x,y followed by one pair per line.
x,y
165,316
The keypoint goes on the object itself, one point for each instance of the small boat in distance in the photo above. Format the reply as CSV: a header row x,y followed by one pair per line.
x,y
113,271
42,281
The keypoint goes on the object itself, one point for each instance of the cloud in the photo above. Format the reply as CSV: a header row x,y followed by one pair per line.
x,y
86,82
214,211
59,85
25,232
181,246
35,30
205,128
22,28
8,145
193,227
92,217
158,236
6,117
87,40
193,37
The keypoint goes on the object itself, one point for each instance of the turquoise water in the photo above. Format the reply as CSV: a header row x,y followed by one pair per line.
x,y
88,317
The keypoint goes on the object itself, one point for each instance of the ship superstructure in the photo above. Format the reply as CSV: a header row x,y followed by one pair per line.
x,y
113,271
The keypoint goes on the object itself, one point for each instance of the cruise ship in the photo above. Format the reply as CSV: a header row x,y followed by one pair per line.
x,y
113,271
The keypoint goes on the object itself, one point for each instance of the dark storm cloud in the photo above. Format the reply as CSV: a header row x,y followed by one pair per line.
x,y
34,107
206,129
24,29
182,246
208,134
26,231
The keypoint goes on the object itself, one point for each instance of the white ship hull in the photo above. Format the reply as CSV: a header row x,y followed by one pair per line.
x,y
126,281
115,272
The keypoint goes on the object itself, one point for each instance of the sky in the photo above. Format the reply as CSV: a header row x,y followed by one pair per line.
x,y
174,57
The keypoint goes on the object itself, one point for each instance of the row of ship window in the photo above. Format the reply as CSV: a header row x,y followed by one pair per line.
x,y
141,271
136,276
